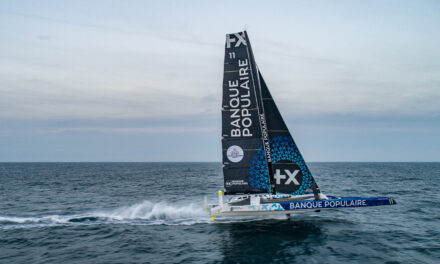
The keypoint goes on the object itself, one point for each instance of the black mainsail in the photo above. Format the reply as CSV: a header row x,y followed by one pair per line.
x,y
259,154
241,129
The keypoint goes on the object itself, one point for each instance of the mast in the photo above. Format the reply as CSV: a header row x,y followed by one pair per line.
x,y
261,114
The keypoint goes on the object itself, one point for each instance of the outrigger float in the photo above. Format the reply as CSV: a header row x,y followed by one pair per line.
x,y
264,171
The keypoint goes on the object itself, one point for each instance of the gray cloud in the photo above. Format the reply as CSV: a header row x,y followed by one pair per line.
x,y
146,70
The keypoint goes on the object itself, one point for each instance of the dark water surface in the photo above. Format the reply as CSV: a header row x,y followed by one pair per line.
x,y
153,213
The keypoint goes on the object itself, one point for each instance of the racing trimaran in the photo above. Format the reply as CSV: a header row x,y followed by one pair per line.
x,y
263,169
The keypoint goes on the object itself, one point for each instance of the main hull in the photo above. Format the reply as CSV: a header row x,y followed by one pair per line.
x,y
294,207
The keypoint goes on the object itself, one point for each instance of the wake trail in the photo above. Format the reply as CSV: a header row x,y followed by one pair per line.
x,y
143,213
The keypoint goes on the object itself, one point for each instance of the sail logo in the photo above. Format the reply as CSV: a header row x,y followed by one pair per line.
x,y
235,153
291,177
240,102
235,182
238,40
265,137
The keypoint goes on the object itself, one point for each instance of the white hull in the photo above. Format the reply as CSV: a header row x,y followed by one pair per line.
x,y
252,205
218,211
256,207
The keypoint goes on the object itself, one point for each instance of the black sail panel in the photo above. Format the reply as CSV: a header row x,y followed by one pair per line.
x,y
291,174
241,130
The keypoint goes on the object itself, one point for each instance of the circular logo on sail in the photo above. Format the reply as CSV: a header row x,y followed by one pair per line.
x,y
235,153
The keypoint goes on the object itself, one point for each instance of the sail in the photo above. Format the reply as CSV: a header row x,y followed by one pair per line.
x,y
241,129
291,174
259,154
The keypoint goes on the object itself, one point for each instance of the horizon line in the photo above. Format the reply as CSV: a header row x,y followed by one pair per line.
x,y
209,162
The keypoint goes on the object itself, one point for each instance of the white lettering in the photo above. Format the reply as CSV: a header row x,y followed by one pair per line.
x,y
292,177
278,176
305,205
235,123
245,112
236,92
246,132
235,133
240,99
245,85
246,122
243,71
235,113
233,84
234,102
248,102
229,40
242,63
240,40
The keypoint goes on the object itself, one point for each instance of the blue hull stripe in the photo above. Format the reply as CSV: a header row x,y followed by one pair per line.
x,y
337,203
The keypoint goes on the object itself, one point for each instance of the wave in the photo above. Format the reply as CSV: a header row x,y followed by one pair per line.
x,y
29,220
154,211
145,212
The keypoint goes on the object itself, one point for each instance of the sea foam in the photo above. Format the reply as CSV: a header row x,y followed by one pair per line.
x,y
145,212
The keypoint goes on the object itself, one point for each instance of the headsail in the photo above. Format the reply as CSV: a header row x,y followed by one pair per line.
x,y
291,173
259,154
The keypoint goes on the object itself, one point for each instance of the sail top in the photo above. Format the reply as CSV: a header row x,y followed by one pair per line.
x,y
259,154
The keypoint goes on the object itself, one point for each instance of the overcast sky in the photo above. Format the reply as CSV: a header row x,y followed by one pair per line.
x,y
141,80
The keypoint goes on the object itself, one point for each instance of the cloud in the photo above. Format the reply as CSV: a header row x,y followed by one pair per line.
x,y
168,63
72,70
44,37
183,124
129,130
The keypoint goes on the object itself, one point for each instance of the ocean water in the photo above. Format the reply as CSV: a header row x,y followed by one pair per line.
x,y
153,213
